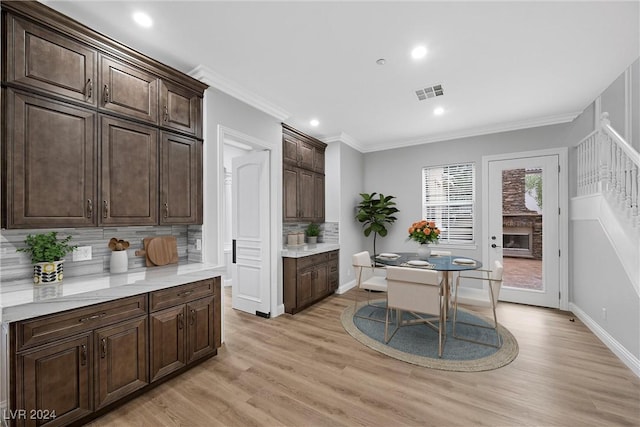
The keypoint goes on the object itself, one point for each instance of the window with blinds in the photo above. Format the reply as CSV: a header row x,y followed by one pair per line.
x,y
448,198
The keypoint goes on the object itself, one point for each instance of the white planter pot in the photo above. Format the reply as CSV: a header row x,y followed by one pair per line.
x,y
47,272
119,262
312,239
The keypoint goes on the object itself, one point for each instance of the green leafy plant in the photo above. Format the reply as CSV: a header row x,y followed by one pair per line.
x,y
375,212
46,247
313,230
533,185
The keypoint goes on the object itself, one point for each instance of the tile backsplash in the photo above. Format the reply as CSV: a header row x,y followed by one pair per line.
x,y
17,265
329,231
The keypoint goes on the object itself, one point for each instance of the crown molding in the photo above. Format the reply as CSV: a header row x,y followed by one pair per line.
x,y
231,88
346,139
484,130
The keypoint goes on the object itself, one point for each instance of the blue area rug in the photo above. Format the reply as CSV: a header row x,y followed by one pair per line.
x,y
418,344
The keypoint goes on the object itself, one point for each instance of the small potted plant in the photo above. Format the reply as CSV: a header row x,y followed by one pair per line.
x,y
47,253
312,232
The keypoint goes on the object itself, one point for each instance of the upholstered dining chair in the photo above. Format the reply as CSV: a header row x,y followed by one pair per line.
x,y
418,292
487,296
366,280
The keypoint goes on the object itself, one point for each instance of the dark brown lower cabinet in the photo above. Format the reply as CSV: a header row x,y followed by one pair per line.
x,y
67,366
181,335
309,279
55,383
121,360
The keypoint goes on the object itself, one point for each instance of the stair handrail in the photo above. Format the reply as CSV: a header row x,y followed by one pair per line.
x,y
620,169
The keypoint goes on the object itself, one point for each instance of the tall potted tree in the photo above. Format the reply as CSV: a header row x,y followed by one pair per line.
x,y
375,212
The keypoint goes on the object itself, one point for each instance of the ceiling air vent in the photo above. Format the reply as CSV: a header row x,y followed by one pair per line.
x,y
429,92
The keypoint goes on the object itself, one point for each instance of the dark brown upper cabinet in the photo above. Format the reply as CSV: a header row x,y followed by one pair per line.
x,y
303,182
50,163
179,179
129,173
63,168
128,90
47,61
180,108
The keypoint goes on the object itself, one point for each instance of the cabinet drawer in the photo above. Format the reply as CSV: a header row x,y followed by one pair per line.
x,y
54,327
312,260
180,294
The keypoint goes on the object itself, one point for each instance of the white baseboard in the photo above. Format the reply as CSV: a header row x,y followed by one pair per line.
x,y
345,287
280,310
618,349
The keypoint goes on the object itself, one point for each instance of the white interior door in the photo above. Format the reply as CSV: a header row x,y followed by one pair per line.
x,y
532,273
250,289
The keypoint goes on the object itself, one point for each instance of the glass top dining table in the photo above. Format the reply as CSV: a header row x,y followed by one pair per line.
x,y
444,263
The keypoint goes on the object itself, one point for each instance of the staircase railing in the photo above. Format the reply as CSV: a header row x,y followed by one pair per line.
x,y
609,165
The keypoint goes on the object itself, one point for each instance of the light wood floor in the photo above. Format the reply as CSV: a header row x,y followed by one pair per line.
x,y
305,370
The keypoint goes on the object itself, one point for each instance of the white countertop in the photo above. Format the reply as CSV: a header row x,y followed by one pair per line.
x,y
308,249
21,299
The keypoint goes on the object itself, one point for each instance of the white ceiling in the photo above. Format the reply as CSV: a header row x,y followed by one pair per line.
x,y
503,65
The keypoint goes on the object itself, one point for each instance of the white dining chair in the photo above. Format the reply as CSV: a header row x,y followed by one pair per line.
x,y
418,292
366,280
487,296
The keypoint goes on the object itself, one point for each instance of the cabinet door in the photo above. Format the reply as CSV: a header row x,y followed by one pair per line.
x,y
290,193
304,289
306,195
179,108
129,179
56,379
128,90
178,180
50,163
305,155
318,160
318,198
167,346
48,61
320,281
201,333
121,360
289,149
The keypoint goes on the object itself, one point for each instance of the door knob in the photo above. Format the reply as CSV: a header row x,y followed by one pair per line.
x,y
493,245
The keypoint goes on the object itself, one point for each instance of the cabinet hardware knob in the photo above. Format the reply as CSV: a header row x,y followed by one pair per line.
x,y
105,209
95,316
185,293
166,114
83,355
89,89
103,352
105,94
180,321
193,317
166,210
89,208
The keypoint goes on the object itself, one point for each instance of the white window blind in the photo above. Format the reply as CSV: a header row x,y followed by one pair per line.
x,y
448,198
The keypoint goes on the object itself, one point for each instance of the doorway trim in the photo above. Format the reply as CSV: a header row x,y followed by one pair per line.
x,y
275,227
563,203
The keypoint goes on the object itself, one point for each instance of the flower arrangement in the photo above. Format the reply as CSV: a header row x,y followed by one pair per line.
x,y
424,232
118,244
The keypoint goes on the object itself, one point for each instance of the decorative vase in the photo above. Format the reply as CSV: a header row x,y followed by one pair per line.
x,y
47,272
424,250
119,262
312,239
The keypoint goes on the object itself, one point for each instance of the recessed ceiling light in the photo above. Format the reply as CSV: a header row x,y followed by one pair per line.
x,y
418,52
438,111
314,122
381,61
142,19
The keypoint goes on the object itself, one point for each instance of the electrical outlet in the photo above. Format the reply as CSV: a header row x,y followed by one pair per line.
x,y
82,253
604,313
198,244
